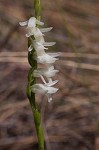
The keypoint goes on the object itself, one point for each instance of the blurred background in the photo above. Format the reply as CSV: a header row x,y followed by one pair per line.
x,y
71,121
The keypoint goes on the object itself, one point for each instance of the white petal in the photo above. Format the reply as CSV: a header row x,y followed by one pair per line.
x,y
24,23
43,89
37,33
32,22
49,43
27,35
45,58
45,72
49,97
40,39
50,80
43,79
39,88
54,54
40,45
46,29
39,55
51,68
39,22
39,49
49,73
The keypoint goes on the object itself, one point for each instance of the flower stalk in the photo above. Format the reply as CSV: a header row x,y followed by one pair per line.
x,y
32,81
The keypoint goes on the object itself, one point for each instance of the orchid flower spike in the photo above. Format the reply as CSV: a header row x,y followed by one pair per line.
x,y
36,36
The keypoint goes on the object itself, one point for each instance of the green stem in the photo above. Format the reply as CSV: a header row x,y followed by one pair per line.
x,y
31,82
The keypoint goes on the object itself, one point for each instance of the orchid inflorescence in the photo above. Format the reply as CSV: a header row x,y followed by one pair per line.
x,y
36,36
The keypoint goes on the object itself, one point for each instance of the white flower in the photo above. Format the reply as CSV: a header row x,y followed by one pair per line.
x,y
31,22
40,39
32,29
39,50
45,59
38,46
35,32
47,72
44,89
41,47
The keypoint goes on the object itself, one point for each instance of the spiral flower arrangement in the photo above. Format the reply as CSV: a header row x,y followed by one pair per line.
x,y
36,36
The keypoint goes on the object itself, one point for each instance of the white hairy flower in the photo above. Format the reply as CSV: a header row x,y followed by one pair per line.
x,y
46,59
34,31
48,72
44,89
40,47
32,22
